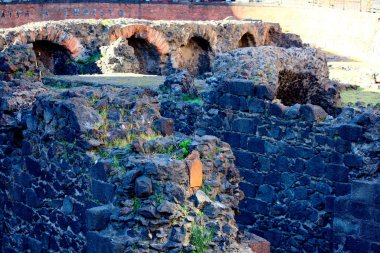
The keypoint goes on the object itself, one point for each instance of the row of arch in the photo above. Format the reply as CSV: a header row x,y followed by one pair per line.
x,y
55,48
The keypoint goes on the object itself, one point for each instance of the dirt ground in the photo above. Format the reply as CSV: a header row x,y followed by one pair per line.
x,y
366,75
117,79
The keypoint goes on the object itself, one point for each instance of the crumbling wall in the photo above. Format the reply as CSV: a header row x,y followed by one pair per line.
x,y
171,45
94,169
299,167
294,75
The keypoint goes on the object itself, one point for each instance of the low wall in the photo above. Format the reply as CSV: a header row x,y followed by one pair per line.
x,y
296,172
347,33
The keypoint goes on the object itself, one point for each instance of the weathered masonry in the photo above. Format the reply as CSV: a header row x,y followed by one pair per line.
x,y
139,46
311,181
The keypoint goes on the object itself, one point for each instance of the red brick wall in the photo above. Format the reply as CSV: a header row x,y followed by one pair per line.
x,y
12,15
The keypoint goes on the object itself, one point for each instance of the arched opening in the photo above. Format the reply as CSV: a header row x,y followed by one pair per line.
x,y
195,56
56,58
272,37
247,40
147,56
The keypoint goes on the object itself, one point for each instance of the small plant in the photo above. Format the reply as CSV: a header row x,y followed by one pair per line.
x,y
91,59
115,162
200,238
122,113
165,89
136,205
94,99
200,214
166,150
185,211
192,99
134,246
206,189
254,79
119,143
158,199
29,73
184,145
104,113
103,153
106,22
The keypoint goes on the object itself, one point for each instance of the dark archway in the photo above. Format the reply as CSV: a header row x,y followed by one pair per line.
x,y
195,56
147,55
56,58
247,40
271,37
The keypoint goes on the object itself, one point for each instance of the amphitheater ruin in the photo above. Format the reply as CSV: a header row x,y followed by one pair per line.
x,y
242,145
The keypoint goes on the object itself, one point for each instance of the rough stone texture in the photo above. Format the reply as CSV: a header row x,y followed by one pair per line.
x,y
294,75
83,170
19,62
180,82
124,42
119,58
164,220
298,175
259,245
47,179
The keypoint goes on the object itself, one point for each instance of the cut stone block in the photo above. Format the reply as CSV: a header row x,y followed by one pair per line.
x,y
195,169
259,245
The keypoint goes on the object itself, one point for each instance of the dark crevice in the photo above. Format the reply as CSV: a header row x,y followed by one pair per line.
x,y
247,40
147,55
195,56
55,58
294,88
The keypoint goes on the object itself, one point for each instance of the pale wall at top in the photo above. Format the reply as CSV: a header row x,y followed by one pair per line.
x,y
347,33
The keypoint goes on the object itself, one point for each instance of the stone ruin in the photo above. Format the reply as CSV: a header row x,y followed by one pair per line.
x,y
261,157
138,46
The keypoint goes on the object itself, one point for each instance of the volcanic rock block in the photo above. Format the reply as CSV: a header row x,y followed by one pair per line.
x,y
350,132
166,207
165,126
181,80
259,245
98,217
293,111
102,191
277,109
201,199
240,87
101,170
312,112
143,187
98,243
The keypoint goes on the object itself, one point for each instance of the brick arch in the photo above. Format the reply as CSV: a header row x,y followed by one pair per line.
x,y
153,36
207,33
250,31
56,36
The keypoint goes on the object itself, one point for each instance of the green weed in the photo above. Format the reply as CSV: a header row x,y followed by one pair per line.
x,y
200,238
136,205
91,59
29,73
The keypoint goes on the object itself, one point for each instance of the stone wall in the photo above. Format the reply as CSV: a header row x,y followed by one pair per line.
x,y
96,169
299,167
356,220
142,46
